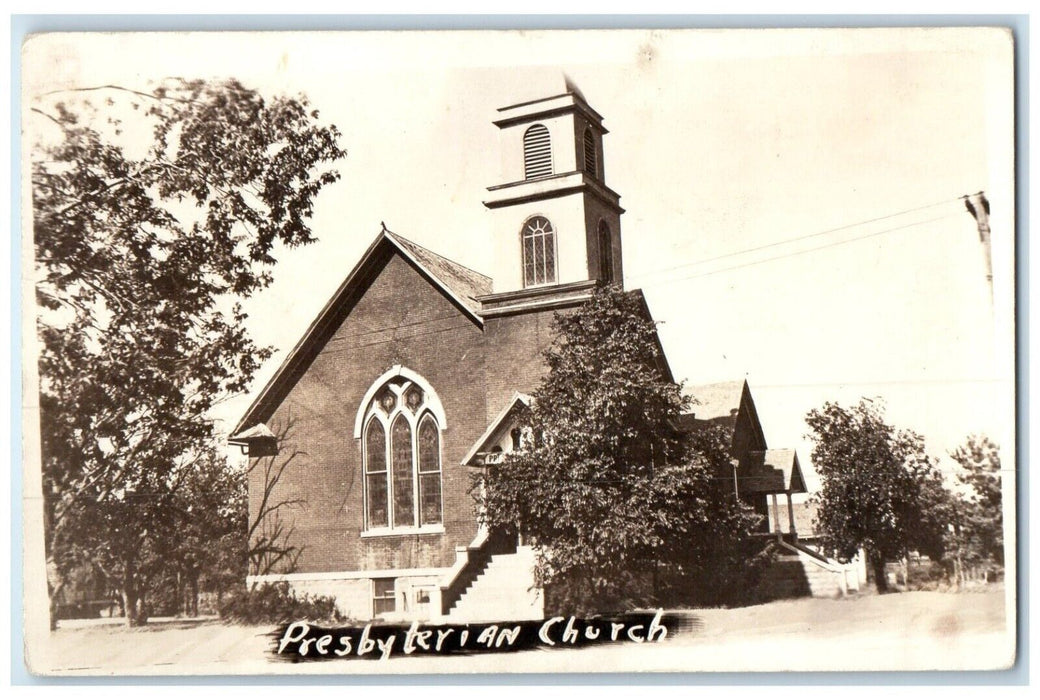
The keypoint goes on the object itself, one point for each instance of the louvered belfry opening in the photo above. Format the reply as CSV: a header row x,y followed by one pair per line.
x,y
537,152
590,152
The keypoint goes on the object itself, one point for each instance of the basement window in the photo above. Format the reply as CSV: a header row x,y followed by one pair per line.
x,y
384,599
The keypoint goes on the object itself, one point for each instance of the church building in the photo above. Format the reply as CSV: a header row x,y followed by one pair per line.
x,y
416,372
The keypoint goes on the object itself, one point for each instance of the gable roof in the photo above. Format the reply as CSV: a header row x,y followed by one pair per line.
x,y
460,284
772,471
507,415
720,400
460,281
728,405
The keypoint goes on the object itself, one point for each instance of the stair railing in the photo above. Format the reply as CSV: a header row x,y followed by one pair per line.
x,y
470,562
821,561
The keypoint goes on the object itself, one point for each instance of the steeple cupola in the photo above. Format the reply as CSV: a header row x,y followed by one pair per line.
x,y
554,221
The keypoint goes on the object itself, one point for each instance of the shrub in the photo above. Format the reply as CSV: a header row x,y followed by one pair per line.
x,y
276,603
927,575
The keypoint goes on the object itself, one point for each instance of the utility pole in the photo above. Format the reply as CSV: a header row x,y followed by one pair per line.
x,y
978,207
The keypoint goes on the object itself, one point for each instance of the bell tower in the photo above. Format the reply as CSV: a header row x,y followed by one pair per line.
x,y
555,223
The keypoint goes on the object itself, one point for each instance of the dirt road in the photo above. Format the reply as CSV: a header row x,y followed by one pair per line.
x,y
911,631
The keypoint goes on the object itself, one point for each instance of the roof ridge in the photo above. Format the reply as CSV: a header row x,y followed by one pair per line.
x,y
409,241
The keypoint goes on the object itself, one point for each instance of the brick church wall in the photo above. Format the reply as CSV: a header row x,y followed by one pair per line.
x,y
401,319
515,363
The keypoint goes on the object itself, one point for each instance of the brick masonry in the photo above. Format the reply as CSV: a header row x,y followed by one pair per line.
x,y
516,363
401,318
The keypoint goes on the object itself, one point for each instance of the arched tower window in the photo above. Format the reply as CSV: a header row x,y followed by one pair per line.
x,y
538,238
606,254
402,457
537,152
589,147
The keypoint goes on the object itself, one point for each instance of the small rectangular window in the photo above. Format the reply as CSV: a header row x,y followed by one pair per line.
x,y
384,598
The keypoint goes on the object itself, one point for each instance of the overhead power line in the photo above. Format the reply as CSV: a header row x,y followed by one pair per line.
x,y
885,382
787,241
801,252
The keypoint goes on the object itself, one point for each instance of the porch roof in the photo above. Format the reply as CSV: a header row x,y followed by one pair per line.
x,y
771,471
502,422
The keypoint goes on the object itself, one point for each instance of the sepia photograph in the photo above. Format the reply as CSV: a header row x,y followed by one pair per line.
x,y
556,351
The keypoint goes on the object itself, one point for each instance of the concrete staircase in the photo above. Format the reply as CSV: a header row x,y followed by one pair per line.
x,y
503,592
823,583
785,578
800,571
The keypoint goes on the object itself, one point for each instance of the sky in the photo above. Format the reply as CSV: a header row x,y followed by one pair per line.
x,y
792,197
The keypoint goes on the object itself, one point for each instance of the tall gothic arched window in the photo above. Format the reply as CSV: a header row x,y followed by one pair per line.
x,y
537,152
538,238
376,480
429,462
402,459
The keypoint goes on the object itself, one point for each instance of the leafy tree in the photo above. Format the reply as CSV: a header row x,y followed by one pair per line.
x,y
206,551
126,535
979,534
606,485
935,509
152,213
880,491
712,559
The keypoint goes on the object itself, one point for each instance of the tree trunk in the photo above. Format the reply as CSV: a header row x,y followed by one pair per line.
x,y
877,563
142,611
55,589
195,594
130,606
133,601
55,595
181,595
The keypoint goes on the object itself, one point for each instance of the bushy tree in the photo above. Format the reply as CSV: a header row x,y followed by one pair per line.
x,y
711,558
207,551
978,536
606,485
934,508
153,212
979,457
880,491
